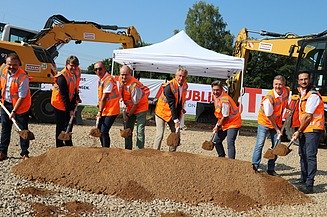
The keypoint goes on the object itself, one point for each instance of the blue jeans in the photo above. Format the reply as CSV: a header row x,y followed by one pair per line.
x,y
308,150
231,137
262,133
22,121
105,124
140,119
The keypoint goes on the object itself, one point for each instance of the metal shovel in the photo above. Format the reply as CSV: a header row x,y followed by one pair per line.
x,y
174,138
126,132
95,132
24,134
66,135
270,152
208,145
282,149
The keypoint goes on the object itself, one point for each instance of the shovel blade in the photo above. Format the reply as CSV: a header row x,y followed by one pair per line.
x,y
269,154
173,139
95,132
26,134
65,136
207,145
281,150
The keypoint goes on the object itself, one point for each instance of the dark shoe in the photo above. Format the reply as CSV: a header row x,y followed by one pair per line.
x,y
272,172
25,157
3,156
306,189
299,182
255,168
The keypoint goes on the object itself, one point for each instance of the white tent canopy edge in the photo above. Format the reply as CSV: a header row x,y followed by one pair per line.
x,y
179,50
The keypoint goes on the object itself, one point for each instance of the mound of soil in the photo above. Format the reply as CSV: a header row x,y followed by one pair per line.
x,y
151,174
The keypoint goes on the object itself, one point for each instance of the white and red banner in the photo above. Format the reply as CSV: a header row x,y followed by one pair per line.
x,y
196,93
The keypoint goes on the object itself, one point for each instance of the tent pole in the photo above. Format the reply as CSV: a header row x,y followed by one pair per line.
x,y
112,66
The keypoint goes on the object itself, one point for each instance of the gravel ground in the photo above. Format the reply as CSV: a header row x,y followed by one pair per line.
x,y
13,203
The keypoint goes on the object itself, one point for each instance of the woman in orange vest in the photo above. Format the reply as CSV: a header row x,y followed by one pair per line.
x,y
16,97
135,96
270,121
229,120
312,121
108,104
170,106
63,98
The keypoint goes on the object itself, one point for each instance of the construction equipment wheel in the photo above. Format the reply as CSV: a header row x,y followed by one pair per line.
x,y
41,108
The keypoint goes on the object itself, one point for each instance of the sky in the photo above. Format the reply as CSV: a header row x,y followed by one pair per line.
x,y
156,20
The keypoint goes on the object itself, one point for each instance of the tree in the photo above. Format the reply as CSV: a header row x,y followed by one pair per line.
x,y
107,63
205,26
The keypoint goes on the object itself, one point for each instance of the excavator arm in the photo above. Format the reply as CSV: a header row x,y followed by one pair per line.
x,y
58,31
274,43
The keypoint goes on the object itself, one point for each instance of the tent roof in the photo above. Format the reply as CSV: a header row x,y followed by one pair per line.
x,y
179,50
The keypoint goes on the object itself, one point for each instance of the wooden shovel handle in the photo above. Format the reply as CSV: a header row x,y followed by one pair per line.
x,y
12,119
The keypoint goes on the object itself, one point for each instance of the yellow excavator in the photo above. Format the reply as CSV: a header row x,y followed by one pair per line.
x,y
310,52
38,50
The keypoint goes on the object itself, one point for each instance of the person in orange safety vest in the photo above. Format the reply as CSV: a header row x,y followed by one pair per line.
x,y
229,120
169,108
16,98
64,98
312,121
108,102
270,121
135,97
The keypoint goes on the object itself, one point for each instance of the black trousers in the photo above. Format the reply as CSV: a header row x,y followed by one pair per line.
x,y
62,120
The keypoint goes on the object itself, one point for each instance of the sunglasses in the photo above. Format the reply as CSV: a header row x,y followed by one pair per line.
x,y
96,69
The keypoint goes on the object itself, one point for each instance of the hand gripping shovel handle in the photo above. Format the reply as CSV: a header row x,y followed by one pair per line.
x,y
12,119
71,119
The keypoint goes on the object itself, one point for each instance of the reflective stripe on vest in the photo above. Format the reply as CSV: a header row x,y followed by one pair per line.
x,y
17,79
162,108
111,106
126,92
56,99
279,104
318,118
234,118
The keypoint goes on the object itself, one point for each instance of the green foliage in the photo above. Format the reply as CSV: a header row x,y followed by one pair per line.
x,y
205,26
263,67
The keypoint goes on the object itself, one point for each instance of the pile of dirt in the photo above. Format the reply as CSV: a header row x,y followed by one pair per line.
x,y
151,174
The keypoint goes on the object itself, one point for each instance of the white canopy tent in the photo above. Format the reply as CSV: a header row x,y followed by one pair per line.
x,y
179,50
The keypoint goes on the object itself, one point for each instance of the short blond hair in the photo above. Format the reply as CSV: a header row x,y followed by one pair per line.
x,y
182,69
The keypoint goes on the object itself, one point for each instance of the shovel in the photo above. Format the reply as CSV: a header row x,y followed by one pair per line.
x,y
174,138
126,132
208,145
270,152
95,132
282,149
24,134
66,135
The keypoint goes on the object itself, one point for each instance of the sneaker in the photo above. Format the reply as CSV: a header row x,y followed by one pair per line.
x,y
306,189
25,157
255,168
3,156
272,172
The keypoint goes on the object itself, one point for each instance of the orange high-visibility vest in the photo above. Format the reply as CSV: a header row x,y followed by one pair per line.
x,y
111,106
279,104
17,79
126,93
56,99
234,119
318,120
162,108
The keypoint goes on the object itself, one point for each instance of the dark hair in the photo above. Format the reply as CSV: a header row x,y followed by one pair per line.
x,y
14,56
304,72
72,59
